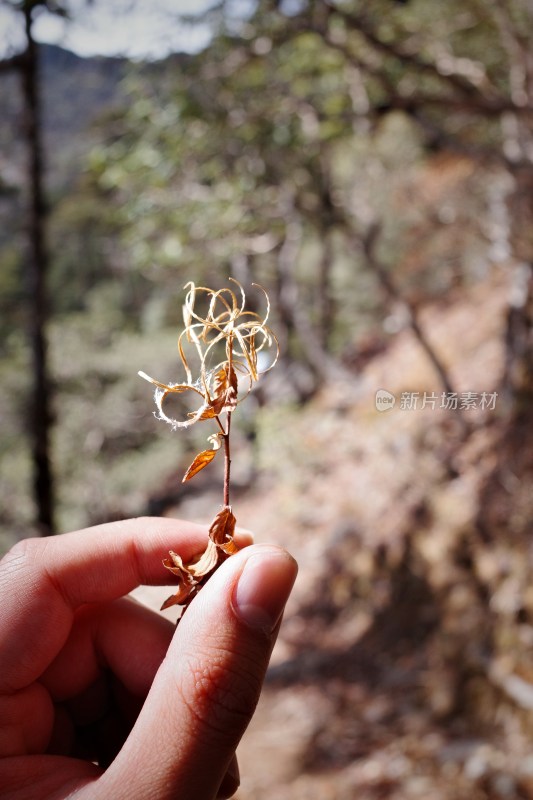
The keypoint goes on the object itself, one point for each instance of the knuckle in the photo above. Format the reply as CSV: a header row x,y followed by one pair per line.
x,y
27,560
19,556
21,549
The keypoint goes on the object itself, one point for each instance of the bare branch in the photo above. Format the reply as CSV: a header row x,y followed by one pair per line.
x,y
369,242
456,80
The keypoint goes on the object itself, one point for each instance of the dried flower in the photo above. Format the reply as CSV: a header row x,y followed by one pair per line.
x,y
232,337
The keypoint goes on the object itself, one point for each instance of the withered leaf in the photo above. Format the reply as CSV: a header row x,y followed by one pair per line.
x,y
202,460
207,561
175,565
208,413
224,390
223,527
220,545
187,582
179,598
230,548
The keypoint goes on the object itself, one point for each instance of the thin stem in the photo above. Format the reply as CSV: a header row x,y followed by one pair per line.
x,y
227,460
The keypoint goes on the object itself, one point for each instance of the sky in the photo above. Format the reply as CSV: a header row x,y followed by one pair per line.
x,y
141,29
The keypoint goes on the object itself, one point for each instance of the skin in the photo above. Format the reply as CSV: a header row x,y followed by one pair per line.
x,y
103,698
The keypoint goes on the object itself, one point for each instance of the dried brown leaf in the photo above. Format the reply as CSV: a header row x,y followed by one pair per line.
x,y
179,598
219,546
200,462
175,565
207,413
223,527
230,548
187,582
207,561
224,389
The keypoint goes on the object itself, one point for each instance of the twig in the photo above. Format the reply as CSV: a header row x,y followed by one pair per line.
x,y
227,460
369,245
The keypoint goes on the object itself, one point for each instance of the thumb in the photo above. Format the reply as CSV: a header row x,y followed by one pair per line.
x,y
206,689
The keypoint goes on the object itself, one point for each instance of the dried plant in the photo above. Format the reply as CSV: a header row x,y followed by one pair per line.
x,y
230,339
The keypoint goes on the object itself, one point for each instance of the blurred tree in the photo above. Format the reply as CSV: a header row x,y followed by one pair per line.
x,y
39,416
27,65
38,265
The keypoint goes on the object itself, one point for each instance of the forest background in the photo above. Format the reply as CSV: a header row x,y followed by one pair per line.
x,y
371,165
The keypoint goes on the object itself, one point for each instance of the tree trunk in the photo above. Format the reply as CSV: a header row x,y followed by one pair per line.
x,y
39,412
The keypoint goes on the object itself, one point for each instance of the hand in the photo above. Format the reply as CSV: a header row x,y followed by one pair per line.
x,y
103,699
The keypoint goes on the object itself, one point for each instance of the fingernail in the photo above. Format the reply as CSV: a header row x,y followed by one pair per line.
x,y
263,588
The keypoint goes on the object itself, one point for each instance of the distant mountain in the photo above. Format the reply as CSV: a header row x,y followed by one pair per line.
x,y
75,92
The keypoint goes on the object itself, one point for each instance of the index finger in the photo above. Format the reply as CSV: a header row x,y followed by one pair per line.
x,y
43,581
